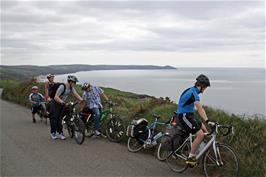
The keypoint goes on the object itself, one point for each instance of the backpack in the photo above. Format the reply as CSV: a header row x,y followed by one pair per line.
x,y
53,89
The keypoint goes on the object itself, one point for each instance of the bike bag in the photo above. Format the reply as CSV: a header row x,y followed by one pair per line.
x,y
173,138
137,127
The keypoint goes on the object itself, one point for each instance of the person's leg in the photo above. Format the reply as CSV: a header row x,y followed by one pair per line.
x,y
53,120
61,113
33,118
97,118
196,142
33,111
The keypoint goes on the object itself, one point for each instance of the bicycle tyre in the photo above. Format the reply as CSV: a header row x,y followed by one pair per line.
x,y
131,141
176,161
79,131
115,130
162,155
227,154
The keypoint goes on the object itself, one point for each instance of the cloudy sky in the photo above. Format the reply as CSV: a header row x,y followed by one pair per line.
x,y
182,34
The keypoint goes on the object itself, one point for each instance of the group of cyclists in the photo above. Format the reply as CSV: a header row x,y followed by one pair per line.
x,y
56,95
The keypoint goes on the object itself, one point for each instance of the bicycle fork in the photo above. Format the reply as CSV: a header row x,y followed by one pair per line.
x,y
218,157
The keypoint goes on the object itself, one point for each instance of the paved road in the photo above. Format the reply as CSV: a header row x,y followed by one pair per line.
x,y
27,150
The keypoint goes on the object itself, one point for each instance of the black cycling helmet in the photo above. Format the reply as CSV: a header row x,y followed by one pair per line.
x,y
49,76
204,80
72,78
85,86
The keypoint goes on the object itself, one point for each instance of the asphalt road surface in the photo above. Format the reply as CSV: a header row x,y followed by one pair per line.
x,y
27,150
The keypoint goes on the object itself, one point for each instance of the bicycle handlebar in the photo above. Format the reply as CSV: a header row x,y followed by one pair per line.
x,y
230,129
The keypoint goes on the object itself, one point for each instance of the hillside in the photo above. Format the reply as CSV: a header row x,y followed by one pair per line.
x,y
248,142
28,71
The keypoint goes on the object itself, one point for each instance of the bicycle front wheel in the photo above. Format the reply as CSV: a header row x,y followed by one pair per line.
x,y
225,165
79,131
133,145
176,161
115,129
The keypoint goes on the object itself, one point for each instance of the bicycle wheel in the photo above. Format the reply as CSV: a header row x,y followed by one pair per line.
x,y
115,130
70,132
133,145
89,128
162,154
176,161
227,159
79,131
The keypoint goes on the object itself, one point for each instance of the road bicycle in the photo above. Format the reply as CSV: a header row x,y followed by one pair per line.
x,y
72,123
149,138
218,159
112,126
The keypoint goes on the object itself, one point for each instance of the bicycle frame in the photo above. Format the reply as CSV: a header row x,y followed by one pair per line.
x,y
152,127
212,142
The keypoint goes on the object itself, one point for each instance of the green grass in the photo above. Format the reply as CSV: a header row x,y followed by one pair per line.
x,y
249,141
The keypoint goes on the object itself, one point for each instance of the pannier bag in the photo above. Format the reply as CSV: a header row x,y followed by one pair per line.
x,y
173,138
138,130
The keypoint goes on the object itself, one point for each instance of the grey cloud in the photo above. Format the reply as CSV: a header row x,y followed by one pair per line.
x,y
132,26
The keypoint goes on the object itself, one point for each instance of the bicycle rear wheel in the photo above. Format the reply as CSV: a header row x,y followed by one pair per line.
x,y
228,162
176,161
162,154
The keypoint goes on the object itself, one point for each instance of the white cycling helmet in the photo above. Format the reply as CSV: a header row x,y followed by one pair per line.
x,y
85,86
49,76
34,88
72,78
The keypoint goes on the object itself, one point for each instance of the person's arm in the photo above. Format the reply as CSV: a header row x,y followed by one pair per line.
x,y
31,101
83,103
105,97
201,111
101,92
58,93
46,91
76,95
42,97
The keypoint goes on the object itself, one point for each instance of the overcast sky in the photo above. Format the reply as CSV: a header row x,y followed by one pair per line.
x,y
181,34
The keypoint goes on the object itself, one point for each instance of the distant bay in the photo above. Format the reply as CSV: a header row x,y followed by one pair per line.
x,y
235,90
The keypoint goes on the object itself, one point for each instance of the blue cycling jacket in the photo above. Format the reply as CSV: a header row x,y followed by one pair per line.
x,y
187,100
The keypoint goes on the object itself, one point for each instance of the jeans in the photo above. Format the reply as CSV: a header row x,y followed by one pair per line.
x,y
56,111
97,117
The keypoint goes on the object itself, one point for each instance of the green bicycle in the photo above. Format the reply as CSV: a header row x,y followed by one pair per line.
x,y
112,126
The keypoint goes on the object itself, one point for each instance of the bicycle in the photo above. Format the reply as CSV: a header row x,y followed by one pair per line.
x,y
214,155
72,123
112,124
149,140
42,112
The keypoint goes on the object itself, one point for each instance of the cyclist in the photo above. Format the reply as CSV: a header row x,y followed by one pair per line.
x,y
36,98
92,97
186,108
48,85
58,106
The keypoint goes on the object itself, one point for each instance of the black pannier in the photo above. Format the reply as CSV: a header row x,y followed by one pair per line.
x,y
173,138
138,129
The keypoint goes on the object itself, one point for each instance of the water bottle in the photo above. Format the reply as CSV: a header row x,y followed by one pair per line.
x,y
201,147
